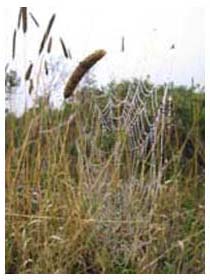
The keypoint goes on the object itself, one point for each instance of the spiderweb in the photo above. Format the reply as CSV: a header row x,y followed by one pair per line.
x,y
144,114
139,113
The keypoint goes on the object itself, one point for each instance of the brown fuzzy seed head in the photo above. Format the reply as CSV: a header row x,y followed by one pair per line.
x,y
24,19
81,70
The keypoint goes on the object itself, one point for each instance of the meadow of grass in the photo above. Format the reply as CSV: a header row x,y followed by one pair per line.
x,y
77,201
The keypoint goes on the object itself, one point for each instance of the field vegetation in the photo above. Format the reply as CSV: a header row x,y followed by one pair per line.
x,y
80,200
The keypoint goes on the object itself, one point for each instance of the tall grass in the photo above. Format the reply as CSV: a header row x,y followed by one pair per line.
x,y
78,201
75,205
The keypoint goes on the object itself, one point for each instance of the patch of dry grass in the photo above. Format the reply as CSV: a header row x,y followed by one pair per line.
x,y
74,207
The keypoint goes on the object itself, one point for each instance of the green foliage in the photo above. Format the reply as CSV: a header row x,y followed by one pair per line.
x,y
190,110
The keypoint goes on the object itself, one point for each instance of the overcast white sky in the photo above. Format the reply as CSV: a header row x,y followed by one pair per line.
x,y
149,32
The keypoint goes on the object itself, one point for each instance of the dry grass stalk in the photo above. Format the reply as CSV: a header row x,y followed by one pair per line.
x,y
64,48
34,19
46,34
81,70
14,44
28,72
49,46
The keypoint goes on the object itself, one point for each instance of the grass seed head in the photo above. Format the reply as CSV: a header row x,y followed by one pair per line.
x,y
19,17
14,44
31,86
34,19
46,68
49,46
65,52
46,34
24,19
28,72
81,70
